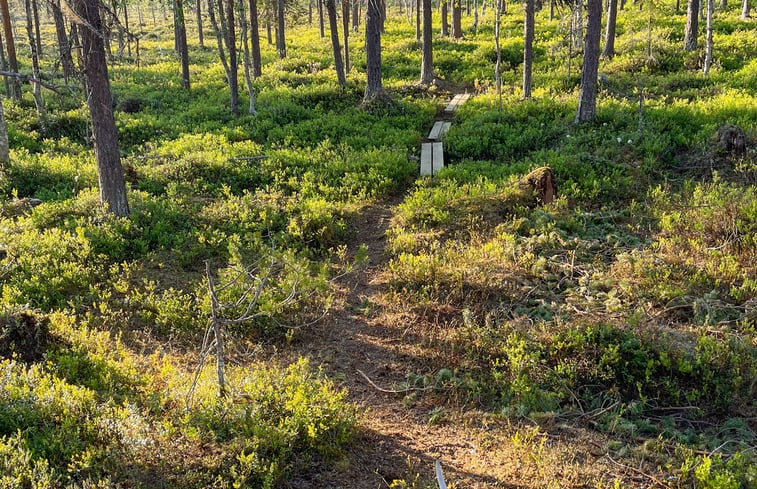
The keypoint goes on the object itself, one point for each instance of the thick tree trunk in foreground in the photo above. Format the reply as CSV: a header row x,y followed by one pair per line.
x,y
373,88
528,47
334,28
612,16
587,99
692,26
109,170
427,61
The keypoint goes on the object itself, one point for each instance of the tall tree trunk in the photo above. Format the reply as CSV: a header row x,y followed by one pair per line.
x,y
181,41
528,47
692,26
320,18
418,20
4,66
64,47
578,25
280,39
355,15
5,158
310,12
587,99
198,14
334,28
723,4
100,102
231,39
268,31
39,102
11,49
427,60
612,16
708,42
551,9
126,26
498,49
475,16
247,63
346,33
37,36
257,67
745,10
445,23
373,88
457,19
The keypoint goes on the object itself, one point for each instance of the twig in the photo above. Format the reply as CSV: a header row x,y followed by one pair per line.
x,y
390,391
25,77
640,472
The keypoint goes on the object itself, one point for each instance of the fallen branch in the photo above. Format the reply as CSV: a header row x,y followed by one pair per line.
x,y
391,391
25,77
640,472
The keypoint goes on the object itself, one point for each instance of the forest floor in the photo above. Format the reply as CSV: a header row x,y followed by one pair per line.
x,y
370,347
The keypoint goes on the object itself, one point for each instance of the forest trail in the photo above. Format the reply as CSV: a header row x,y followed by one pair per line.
x,y
369,349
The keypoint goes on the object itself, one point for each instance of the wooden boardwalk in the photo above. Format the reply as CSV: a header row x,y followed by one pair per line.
x,y
432,153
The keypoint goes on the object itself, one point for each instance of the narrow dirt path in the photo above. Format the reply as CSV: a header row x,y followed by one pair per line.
x,y
395,441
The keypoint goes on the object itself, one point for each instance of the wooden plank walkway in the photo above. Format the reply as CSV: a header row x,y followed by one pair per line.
x,y
432,158
439,130
456,102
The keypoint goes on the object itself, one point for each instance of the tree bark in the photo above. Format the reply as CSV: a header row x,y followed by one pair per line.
x,y
498,65
198,13
418,20
11,49
37,36
612,16
281,45
100,102
231,39
692,26
334,28
445,23
373,88
39,102
66,61
5,158
457,19
528,47
4,64
427,60
257,67
475,16
181,41
355,15
126,26
587,99
708,42
551,9
320,18
346,34
247,63
745,10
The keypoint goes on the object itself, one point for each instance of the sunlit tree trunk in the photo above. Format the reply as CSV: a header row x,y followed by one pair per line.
x,y
373,88
587,98
427,60
181,41
100,102
498,65
5,158
4,65
528,47
745,10
247,62
11,49
708,42
457,19
334,29
418,20
612,16
320,18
